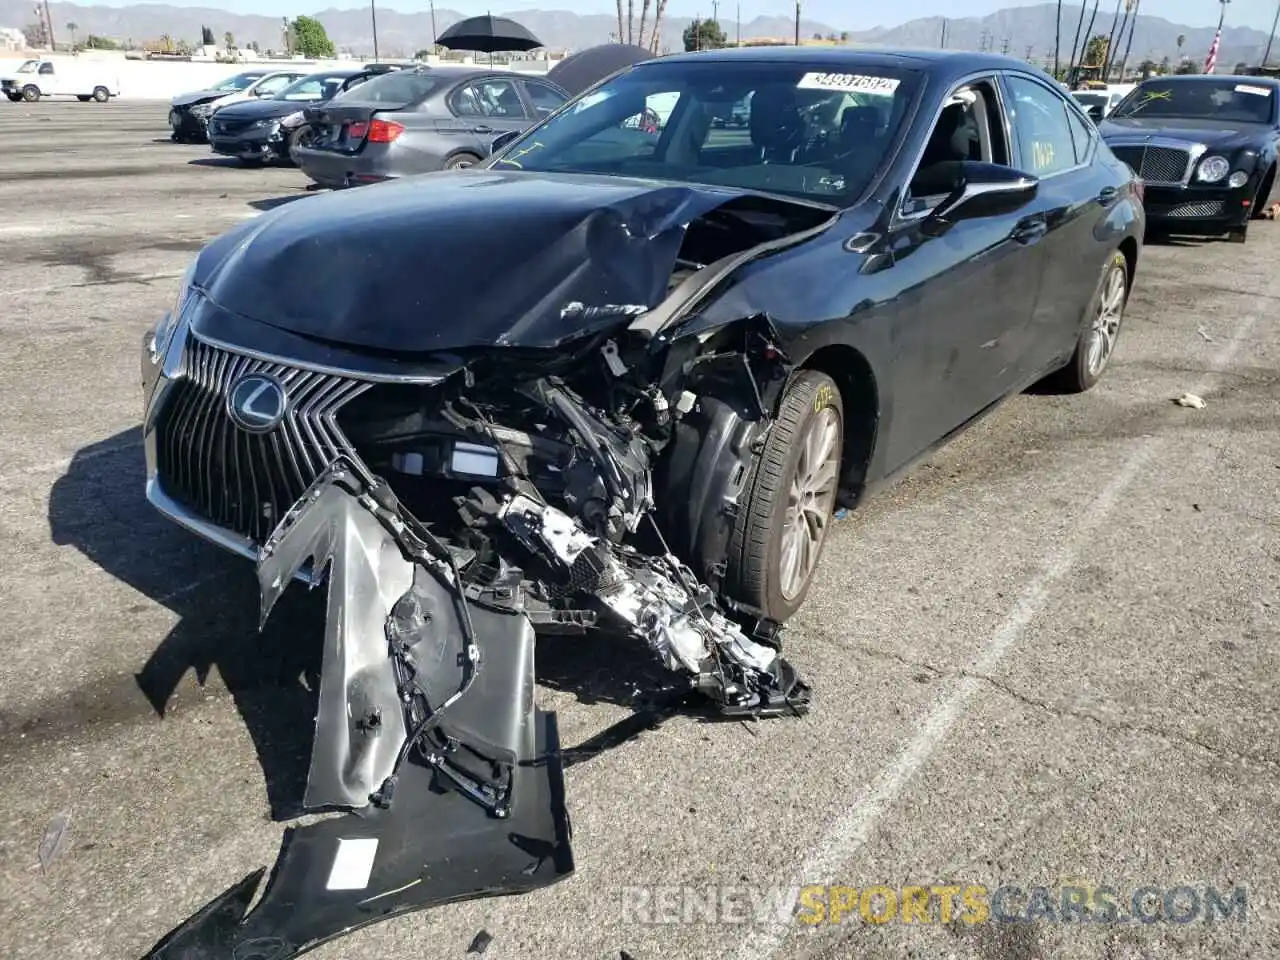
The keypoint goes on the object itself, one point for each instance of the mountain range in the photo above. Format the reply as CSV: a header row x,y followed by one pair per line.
x,y
1019,31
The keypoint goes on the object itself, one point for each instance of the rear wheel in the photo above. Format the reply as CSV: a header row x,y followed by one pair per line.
x,y
789,500
1101,331
461,161
30,93
300,138
101,94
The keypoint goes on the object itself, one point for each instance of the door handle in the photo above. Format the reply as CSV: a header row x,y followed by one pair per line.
x,y
1030,230
1107,196
483,129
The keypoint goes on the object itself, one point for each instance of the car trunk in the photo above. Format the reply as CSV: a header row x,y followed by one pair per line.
x,y
344,128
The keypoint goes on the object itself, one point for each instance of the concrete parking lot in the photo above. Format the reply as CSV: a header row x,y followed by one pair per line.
x,y
1049,657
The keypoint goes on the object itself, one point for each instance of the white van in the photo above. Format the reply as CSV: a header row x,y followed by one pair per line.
x,y
46,78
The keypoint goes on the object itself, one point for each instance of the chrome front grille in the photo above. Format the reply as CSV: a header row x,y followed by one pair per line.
x,y
242,481
1197,208
1156,164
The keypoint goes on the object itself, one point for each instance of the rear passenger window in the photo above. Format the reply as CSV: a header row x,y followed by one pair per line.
x,y
489,98
1041,118
1082,134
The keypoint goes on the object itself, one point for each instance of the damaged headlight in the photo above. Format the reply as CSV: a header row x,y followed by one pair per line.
x,y
162,336
292,120
1213,169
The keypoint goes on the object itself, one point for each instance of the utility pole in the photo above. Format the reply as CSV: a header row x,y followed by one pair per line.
x,y
48,19
943,41
797,23
288,35
373,16
433,26
1004,46
715,12
1137,6
737,23
1266,55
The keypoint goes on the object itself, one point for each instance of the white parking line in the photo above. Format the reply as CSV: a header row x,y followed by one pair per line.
x,y
852,830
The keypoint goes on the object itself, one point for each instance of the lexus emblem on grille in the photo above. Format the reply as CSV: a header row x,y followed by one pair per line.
x,y
257,403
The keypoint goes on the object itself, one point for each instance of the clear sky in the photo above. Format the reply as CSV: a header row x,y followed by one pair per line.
x,y
845,14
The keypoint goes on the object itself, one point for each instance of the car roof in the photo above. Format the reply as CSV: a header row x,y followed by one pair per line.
x,y
940,62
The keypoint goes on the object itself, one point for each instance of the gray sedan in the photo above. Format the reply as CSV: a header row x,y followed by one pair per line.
x,y
417,121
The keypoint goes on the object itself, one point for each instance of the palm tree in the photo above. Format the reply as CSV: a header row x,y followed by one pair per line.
x,y
621,34
644,15
229,39
73,27
657,25
1182,38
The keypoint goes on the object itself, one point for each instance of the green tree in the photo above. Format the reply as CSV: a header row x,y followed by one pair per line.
x,y
1164,66
704,35
1095,51
311,40
1186,67
206,37
229,41
101,43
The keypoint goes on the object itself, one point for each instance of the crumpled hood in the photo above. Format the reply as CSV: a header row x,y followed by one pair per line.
x,y
263,109
196,96
1216,133
452,260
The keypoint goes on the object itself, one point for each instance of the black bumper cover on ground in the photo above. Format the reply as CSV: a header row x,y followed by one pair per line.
x,y
434,847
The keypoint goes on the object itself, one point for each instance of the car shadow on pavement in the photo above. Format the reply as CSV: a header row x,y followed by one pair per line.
x,y
218,162
272,203
98,507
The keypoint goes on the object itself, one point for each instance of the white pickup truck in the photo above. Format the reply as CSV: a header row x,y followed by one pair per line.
x,y
47,78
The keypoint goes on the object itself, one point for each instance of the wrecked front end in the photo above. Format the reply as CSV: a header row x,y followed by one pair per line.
x,y
522,492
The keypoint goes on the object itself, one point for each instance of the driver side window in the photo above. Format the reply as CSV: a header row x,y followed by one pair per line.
x,y
970,127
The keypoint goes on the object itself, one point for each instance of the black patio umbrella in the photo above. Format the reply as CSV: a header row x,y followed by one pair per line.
x,y
584,69
488,34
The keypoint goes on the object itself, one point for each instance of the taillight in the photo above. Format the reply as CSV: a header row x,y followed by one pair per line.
x,y
356,131
384,131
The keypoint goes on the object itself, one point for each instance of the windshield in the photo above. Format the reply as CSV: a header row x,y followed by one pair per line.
x,y
29,66
398,89
1199,99
815,132
318,87
238,82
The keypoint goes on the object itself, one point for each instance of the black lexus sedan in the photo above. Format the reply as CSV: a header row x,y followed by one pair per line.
x,y
256,131
1204,145
614,381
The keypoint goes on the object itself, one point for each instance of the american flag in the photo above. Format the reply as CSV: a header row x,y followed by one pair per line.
x,y
1211,61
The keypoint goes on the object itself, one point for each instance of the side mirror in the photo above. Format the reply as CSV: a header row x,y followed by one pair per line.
x,y
981,190
502,139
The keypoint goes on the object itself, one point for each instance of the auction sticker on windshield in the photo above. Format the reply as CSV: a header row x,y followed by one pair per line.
x,y
848,83
1256,91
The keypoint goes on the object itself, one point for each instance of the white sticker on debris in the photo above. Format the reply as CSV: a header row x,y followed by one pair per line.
x,y
1256,91
1189,400
848,83
352,864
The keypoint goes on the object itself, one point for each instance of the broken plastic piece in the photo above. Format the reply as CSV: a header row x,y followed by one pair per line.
x,y
1190,400
481,942
54,842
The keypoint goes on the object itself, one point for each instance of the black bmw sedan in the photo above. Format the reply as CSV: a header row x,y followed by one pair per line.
x,y
257,131
1204,145
780,317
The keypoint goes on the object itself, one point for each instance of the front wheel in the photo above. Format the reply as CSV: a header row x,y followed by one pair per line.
x,y
1101,330
30,93
461,161
101,94
789,500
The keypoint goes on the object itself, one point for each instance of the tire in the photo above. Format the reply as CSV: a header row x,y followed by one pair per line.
x,y
31,93
101,94
1259,209
809,426
1238,235
461,161
296,138
1103,318
83,99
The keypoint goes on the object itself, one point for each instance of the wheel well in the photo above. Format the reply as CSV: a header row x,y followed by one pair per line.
x,y
860,407
1129,247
